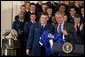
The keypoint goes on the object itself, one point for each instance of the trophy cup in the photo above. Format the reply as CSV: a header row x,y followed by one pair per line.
x,y
8,45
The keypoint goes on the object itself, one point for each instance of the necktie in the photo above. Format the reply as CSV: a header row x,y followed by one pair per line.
x,y
60,28
42,26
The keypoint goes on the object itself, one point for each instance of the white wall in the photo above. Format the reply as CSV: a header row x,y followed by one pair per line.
x,y
6,15
16,7
8,11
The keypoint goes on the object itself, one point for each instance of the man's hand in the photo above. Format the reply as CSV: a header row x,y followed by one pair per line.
x,y
27,51
81,27
65,32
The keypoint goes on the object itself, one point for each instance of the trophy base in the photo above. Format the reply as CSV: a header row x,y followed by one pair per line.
x,y
8,52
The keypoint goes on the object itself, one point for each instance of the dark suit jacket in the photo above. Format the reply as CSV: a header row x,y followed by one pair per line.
x,y
50,20
82,19
27,26
38,8
33,38
26,16
78,9
80,34
71,37
18,25
70,19
54,6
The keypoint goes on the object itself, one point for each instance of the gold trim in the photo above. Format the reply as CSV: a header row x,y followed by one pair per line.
x,y
67,47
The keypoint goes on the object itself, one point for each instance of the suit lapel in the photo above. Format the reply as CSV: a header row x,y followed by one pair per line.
x,y
64,26
55,28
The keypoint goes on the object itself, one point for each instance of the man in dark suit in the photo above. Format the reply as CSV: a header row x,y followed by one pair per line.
x,y
27,5
38,6
22,8
72,12
53,5
50,15
44,7
36,30
77,7
18,25
33,10
28,24
66,28
82,14
62,9
79,29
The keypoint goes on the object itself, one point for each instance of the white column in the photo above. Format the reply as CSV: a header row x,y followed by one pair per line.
x,y
9,10
16,7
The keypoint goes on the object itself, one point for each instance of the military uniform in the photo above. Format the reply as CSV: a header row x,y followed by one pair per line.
x,y
27,26
33,39
18,26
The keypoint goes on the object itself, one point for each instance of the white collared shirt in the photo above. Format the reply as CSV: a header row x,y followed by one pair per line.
x,y
27,10
33,21
43,25
62,28
21,20
32,11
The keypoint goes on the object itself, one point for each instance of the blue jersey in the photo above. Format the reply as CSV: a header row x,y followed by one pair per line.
x,y
58,37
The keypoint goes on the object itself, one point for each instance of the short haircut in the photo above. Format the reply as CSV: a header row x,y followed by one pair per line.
x,y
77,16
43,3
48,8
72,8
32,4
21,12
32,14
44,13
62,5
57,13
27,2
22,6
82,7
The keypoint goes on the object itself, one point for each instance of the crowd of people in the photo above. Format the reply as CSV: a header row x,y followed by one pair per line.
x,y
33,19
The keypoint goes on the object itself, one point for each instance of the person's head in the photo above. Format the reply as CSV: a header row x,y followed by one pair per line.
x,y
62,2
77,19
65,18
44,7
82,10
32,16
40,2
49,10
44,18
62,7
32,7
21,14
22,8
77,3
72,11
59,17
27,5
